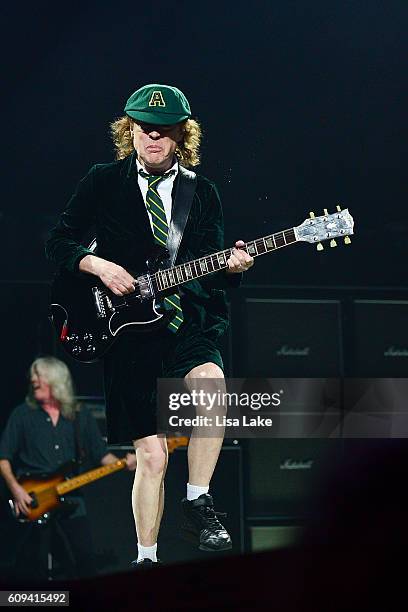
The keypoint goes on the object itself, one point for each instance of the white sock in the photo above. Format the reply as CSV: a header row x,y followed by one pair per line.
x,y
193,492
147,552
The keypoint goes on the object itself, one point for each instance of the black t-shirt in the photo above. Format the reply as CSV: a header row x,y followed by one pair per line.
x,y
34,445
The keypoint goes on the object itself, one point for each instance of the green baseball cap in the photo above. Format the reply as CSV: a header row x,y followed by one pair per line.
x,y
158,104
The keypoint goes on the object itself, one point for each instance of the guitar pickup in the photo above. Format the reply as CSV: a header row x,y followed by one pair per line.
x,y
34,503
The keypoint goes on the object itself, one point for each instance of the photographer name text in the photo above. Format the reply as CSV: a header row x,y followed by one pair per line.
x,y
219,421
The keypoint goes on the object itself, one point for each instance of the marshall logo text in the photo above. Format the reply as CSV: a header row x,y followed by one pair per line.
x,y
288,351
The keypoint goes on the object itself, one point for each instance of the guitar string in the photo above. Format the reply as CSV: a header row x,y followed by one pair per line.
x,y
261,241
224,253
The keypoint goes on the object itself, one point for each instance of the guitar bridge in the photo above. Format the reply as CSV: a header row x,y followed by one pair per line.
x,y
99,304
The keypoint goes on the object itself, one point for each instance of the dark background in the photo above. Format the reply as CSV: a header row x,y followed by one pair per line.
x,y
303,106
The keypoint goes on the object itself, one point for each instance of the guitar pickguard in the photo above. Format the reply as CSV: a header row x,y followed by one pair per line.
x,y
148,315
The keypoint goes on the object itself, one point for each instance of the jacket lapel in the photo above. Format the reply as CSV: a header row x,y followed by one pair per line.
x,y
134,197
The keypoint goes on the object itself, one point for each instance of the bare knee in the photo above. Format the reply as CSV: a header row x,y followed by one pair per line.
x,y
208,380
207,377
207,371
151,454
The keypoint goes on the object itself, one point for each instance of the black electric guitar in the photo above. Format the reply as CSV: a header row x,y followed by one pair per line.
x,y
88,317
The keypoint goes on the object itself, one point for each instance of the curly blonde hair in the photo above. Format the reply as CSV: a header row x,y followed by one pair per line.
x,y
188,152
57,375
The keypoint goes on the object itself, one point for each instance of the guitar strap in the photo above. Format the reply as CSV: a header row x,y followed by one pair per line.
x,y
185,188
79,450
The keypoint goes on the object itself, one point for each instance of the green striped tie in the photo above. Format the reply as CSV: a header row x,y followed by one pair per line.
x,y
155,206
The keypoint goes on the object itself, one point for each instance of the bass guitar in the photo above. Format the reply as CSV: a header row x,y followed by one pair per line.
x,y
88,317
48,493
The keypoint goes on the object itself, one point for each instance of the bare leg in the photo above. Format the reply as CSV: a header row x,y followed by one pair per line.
x,y
148,487
201,524
203,452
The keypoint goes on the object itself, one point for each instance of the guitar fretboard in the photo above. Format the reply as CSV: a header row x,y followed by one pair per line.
x,y
88,477
165,279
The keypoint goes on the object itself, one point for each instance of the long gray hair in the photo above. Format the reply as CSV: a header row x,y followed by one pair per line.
x,y
56,373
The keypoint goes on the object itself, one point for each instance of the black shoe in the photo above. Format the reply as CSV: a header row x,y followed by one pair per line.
x,y
202,526
144,563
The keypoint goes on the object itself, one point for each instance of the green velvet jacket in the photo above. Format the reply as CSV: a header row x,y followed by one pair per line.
x,y
109,203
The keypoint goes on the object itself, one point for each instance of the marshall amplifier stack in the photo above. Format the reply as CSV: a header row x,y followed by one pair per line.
x,y
295,338
289,339
292,338
380,339
283,477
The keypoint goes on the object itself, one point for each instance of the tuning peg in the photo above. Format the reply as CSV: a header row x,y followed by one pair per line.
x,y
333,243
319,246
347,240
325,212
312,215
338,207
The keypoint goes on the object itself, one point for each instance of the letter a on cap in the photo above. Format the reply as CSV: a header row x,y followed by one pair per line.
x,y
157,99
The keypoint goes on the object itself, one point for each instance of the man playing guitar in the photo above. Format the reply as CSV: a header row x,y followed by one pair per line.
x,y
42,436
134,204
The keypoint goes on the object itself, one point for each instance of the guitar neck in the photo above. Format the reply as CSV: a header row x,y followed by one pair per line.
x,y
88,477
197,268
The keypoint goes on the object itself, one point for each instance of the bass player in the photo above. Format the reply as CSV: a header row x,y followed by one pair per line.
x,y
45,433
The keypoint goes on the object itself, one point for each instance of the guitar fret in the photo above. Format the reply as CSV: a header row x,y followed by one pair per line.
x,y
187,269
182,273
260,246
251,248
279,240
221,259
159,281
270,242
215,262
203,266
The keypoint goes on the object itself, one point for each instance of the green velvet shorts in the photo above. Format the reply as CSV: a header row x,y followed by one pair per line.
x,y
131,370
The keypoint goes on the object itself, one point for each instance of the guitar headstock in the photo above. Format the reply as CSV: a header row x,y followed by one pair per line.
x,y
326,227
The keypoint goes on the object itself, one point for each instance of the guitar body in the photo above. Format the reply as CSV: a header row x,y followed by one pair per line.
x,y
44,494
87,317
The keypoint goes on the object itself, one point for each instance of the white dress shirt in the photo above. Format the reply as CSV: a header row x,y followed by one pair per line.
x,y
164,189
